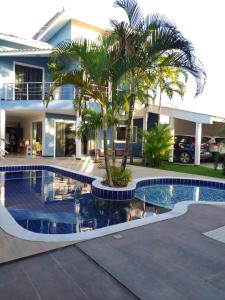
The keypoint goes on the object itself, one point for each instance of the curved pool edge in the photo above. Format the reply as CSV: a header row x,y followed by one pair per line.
x,y
9,225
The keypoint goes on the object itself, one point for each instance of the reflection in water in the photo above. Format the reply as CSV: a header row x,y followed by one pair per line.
x,y
46,202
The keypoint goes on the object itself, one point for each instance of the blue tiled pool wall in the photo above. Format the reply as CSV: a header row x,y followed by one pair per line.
x,y
181,181
79,177
113,195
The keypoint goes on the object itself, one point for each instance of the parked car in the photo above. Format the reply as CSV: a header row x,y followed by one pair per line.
x,y
184,149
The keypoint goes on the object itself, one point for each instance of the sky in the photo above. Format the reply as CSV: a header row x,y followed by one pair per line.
x,y
201,21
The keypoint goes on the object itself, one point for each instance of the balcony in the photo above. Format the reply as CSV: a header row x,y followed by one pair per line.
x,y
30,91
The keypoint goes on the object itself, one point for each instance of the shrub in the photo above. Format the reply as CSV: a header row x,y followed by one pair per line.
x,y
157,144
120,177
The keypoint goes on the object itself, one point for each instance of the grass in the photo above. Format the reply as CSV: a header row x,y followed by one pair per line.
x,y
189,169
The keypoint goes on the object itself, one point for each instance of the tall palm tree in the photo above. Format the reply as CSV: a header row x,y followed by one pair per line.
x,y
88,66
144,41
169,81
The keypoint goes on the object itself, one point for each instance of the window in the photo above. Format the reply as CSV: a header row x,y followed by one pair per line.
x,y
28,83
121,134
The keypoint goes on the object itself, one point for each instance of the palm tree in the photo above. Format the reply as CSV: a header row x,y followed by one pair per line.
x,y
89,66
169,81
147,44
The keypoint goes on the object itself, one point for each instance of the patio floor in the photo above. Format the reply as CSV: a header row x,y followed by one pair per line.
x,y
165,260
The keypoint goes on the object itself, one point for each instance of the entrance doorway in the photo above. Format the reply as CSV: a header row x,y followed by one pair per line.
x,y
14,137
37,138
65,139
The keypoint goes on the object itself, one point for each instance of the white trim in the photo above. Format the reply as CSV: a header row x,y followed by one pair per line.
x,y
22,41
31,53
124,141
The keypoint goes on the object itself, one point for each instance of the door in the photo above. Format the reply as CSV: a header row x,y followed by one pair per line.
x,y
60,142
28,83
70,147
37,138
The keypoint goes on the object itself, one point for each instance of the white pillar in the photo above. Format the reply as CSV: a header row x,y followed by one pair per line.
x,y
2,188
78,139
198,137
2,132
145,121
172,132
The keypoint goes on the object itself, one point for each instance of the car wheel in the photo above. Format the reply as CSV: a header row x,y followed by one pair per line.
x,y
185,157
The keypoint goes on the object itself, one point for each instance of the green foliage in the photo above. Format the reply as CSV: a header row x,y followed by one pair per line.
x,y
120,177
157,144
189,169
223,165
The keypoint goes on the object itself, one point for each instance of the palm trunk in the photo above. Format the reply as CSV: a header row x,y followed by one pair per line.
x,y
96,147
113,145
106,154
131,141
129,122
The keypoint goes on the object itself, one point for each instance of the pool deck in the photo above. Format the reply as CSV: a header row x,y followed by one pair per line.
x,y
167,260
171,259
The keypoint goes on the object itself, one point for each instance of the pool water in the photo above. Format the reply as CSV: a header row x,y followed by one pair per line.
x,y
47,202
164,195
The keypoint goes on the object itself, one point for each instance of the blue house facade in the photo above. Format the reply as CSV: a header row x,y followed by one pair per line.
x,y
27,127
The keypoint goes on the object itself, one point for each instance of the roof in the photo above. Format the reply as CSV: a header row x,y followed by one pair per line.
x,y
48,30
47,25
187,115
26,52
26,42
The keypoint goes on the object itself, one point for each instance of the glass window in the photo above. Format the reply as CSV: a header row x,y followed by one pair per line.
x,y
121,133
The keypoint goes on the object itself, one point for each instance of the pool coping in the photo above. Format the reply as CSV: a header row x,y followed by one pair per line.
x,y
9,225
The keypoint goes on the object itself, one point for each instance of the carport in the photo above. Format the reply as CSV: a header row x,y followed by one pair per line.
x,y
198,118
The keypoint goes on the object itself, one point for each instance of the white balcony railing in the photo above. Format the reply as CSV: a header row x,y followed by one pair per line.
x,y
35,91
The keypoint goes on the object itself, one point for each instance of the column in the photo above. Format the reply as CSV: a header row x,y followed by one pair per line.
x,y
145,127
198,137
2,132
145,120
172,132
78,139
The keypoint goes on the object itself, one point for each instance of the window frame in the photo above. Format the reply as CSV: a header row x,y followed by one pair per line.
x,y
134,134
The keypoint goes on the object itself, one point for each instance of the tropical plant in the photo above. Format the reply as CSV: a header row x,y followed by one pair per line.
x,y
89,66
120,177
148,44
169,81
90,124
157,144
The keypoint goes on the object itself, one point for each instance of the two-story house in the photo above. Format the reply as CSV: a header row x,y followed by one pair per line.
x,y
24,83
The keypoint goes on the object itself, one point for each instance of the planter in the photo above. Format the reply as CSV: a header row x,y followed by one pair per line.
x,y
113,193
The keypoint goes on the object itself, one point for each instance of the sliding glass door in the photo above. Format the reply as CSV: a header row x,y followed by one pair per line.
x,y
28,83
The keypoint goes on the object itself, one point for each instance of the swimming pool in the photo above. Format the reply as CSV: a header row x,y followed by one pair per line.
x,y
48,202
55,204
